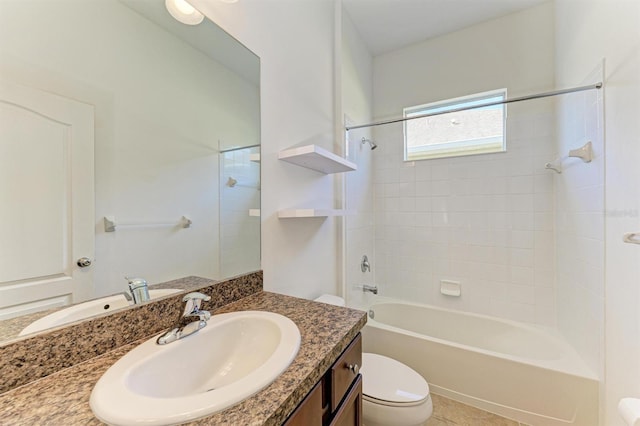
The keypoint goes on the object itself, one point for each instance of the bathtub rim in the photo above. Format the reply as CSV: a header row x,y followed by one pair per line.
x,y
571,363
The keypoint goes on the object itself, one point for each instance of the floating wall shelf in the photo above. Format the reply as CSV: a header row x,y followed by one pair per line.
x,y
317,158
254,157
254,212
300,213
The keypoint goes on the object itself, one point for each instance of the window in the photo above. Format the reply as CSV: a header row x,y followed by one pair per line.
x,y
473,131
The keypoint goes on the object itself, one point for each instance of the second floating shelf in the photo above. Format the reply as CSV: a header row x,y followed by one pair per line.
x,y
317,158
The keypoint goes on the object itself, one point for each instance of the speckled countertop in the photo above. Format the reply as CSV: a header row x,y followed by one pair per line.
x,y
63,397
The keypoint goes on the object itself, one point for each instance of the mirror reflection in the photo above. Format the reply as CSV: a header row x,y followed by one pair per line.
x,y
129,147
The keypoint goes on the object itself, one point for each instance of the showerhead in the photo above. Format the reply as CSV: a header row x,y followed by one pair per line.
x,y
370,142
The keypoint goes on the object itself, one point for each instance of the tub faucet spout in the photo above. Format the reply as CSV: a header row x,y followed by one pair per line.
x,y
372,288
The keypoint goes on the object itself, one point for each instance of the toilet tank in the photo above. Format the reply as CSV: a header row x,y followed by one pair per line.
x,y
330,299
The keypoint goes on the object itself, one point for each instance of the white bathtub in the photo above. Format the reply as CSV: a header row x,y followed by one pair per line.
x,y
508,368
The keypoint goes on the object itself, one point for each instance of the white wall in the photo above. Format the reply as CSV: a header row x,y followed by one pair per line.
x,y
295,42
485,221
466,61
155,160
588,31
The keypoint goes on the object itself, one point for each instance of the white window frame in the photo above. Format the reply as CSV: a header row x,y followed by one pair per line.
x,y
462,147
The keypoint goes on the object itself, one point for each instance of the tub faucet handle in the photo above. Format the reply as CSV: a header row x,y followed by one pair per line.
x,y
364,264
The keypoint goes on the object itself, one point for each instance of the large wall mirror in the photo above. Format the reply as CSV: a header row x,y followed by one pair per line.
x,y
129,146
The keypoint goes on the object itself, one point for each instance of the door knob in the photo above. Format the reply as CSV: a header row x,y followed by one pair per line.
x,y
83,262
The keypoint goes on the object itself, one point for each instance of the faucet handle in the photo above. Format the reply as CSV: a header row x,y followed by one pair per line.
x,y
191,310
365,266
193,302
196,295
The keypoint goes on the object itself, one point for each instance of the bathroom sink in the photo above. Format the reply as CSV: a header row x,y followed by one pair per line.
x,y
236,355
88,309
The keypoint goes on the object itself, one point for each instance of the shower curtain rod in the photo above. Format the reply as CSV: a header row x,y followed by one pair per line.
x,y
506,101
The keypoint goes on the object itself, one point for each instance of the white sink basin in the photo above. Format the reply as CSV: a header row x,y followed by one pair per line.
x,y
236,355
88,309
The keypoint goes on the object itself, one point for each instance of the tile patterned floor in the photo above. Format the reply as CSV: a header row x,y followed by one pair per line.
x,y
447,412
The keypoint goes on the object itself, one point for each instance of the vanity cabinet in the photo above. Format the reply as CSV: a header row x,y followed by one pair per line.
x,y
336,400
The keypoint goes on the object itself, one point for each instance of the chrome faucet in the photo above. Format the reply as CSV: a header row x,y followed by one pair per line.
x,y
372,288
191,311
138,290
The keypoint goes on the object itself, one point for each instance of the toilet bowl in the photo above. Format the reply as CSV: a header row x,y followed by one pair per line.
x,y
393,394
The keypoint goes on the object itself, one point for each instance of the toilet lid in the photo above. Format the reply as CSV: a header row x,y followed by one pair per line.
x,y
388,380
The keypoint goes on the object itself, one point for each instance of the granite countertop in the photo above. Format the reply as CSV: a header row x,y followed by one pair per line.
x,y
326,330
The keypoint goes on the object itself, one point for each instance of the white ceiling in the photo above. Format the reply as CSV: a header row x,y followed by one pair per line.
x,y
387,25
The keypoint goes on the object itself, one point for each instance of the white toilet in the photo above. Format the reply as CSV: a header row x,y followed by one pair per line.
x,y
393,393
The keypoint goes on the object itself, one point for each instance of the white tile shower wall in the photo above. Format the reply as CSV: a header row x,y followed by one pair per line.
x,y
485,221
359,223
580,226
238,230
357,104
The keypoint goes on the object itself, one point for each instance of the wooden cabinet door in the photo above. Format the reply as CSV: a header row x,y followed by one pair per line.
x,y
345,370
350,412
336,400
310,411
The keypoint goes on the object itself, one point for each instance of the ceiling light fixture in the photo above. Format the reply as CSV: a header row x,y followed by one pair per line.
x,y
184,12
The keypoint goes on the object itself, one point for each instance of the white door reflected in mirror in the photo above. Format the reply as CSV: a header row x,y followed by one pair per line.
x,y
46,176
